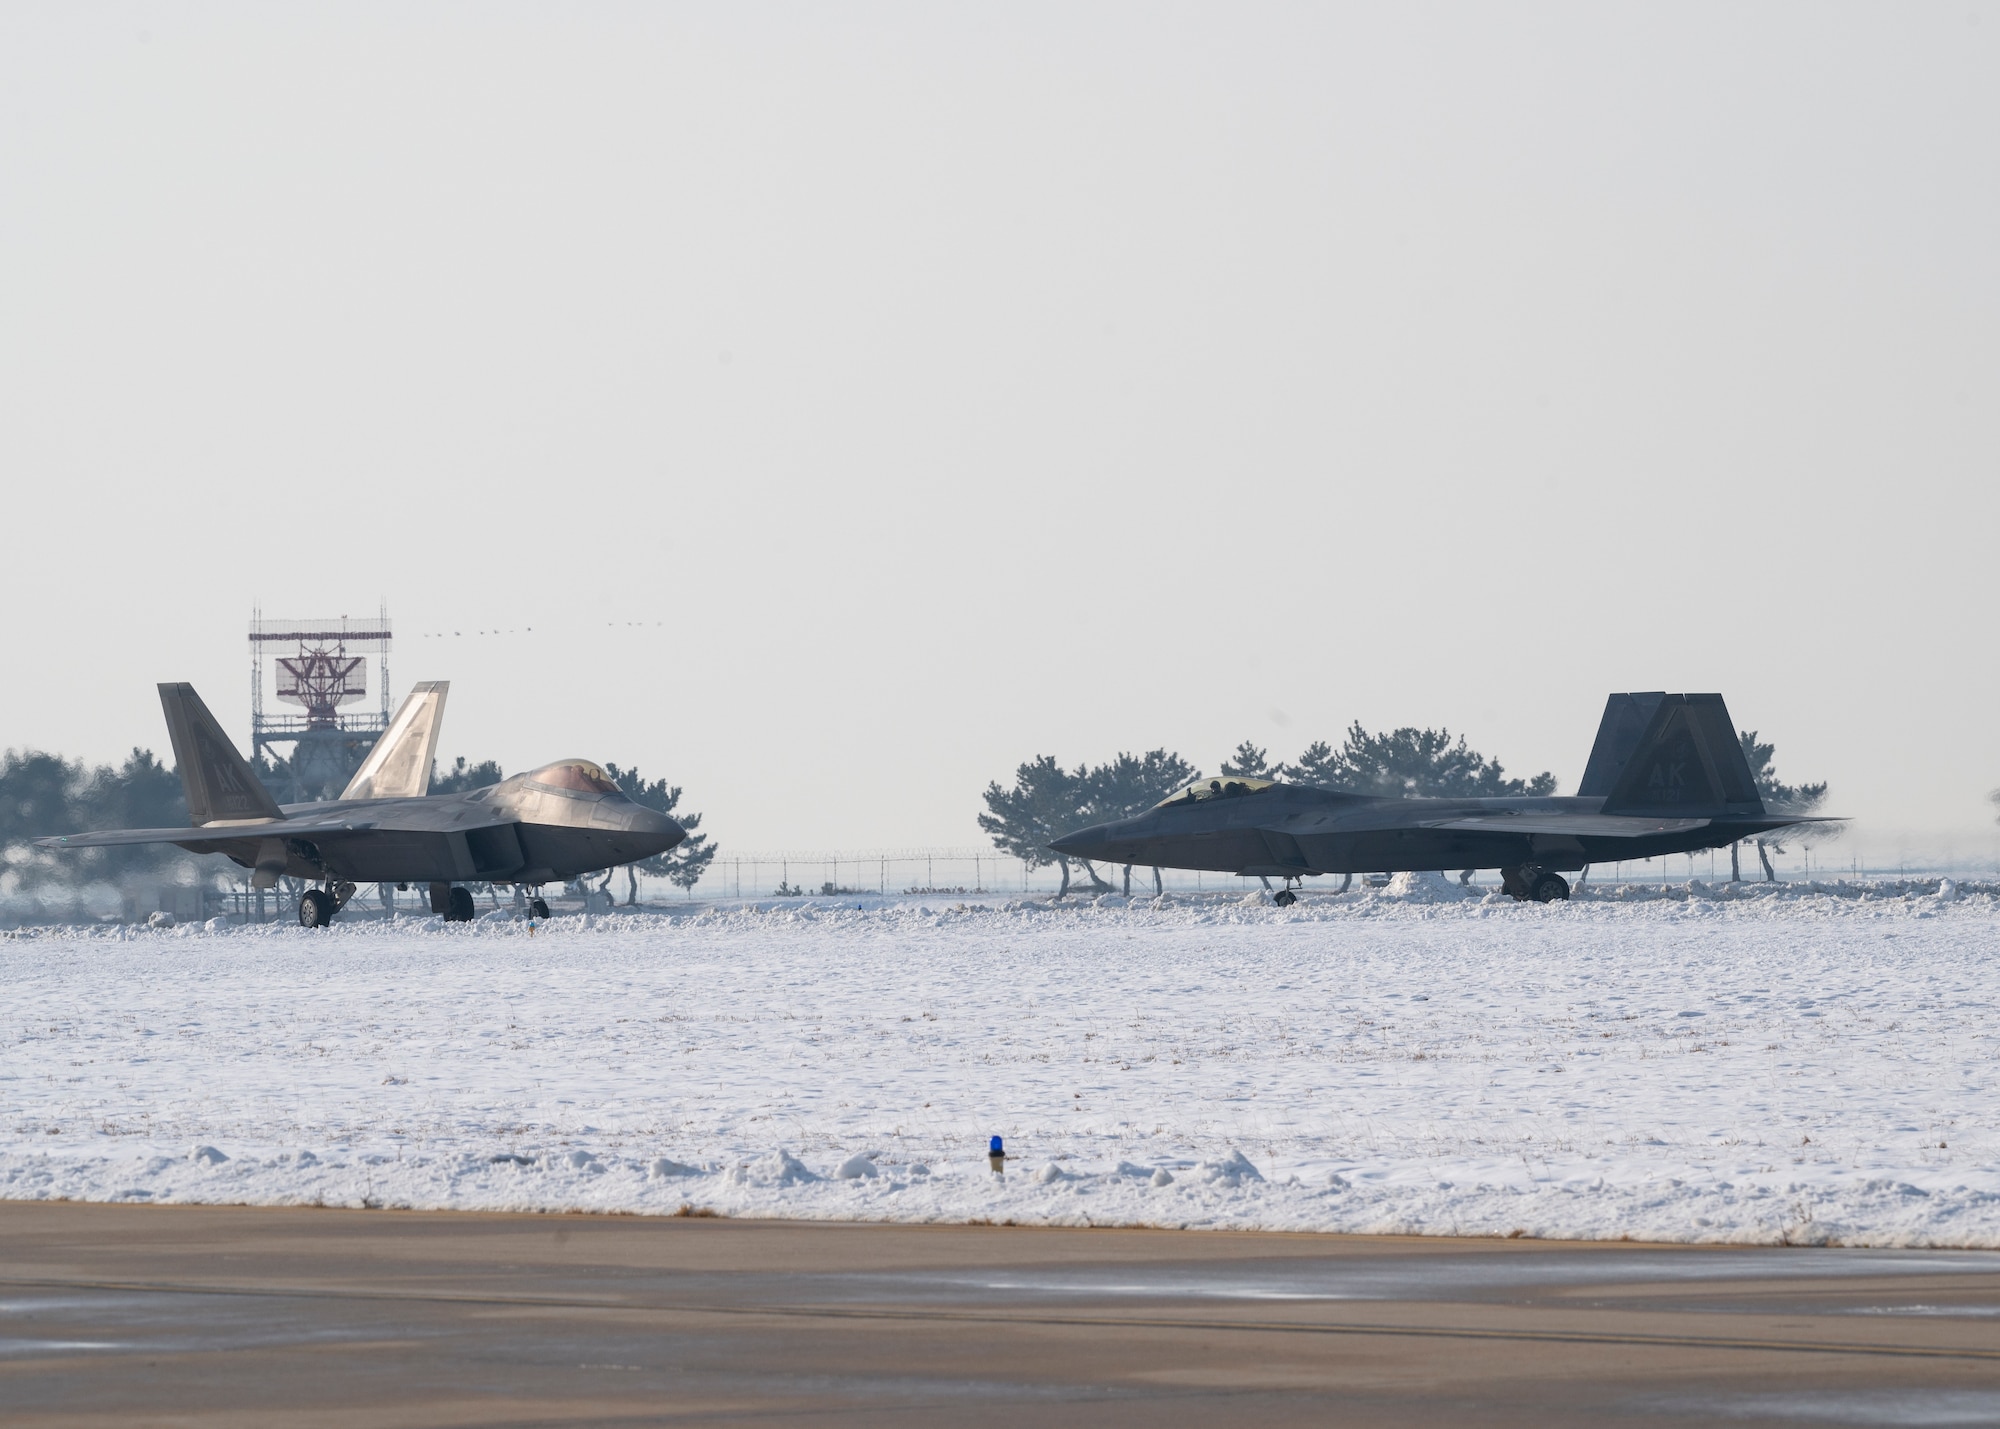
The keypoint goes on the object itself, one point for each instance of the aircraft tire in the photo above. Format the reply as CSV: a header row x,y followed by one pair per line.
x,y
316,908
538,907
461,910
1550,888
1284,898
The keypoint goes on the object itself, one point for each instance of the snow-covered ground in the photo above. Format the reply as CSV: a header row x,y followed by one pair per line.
x,y
1782,1064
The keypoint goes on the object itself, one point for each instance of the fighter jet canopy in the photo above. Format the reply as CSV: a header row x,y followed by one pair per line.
x,y
573,776
1222,786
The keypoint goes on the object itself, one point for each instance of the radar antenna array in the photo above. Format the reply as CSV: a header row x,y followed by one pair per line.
x,y
320,666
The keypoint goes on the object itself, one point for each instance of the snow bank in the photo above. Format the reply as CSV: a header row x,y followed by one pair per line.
x,y
1749,1063
1430,888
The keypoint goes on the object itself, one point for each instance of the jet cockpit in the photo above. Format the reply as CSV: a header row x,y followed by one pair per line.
x,y
1225,786
572,776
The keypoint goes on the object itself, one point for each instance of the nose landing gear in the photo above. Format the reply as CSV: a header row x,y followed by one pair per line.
x,y
1285,897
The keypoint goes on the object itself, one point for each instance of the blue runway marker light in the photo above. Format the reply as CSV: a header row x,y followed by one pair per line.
x,y
996,1156
993,1148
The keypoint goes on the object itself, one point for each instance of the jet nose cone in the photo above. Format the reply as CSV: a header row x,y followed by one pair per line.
x,y
1079,842
657,825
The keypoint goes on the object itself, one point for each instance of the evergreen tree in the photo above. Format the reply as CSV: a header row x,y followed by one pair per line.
x,y
142,793
1317,765
684,863
462,778
43,793
1411,763
38,795
1133,783
1046,802
1780,798
1248,762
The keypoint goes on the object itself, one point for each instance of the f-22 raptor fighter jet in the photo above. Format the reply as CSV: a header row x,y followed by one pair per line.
x,y
551,824
1666,775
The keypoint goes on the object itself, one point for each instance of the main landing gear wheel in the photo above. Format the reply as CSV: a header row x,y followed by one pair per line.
x,y
539,908
461,909
1550,888
316,908
1284,898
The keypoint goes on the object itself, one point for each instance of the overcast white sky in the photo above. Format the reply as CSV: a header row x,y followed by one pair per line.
x,y
860,399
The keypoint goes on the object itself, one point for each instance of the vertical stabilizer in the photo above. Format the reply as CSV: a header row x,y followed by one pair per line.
x,y
219,782
1618,734
1687,762
399,766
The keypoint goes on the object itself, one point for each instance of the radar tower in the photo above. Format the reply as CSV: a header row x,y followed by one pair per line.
x,y
321,665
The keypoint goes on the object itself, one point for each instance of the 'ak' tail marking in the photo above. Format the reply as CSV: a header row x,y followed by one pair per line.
x,y
219,782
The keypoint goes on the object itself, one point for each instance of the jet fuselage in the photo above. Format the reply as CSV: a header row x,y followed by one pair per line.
x,y
521,830
1289,830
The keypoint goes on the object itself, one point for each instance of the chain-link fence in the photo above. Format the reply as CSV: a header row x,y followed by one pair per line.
x,y
987,872
941,872
211,887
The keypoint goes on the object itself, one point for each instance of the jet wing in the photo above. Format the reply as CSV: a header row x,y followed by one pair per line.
x,y
1603,826
296,828
418,840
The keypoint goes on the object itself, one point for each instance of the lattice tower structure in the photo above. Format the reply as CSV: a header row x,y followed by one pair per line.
x,y
321,667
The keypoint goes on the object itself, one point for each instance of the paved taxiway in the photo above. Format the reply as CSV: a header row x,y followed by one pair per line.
x,y
234,1316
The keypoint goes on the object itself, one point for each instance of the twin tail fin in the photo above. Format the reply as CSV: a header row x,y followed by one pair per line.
x,y
1673,755
399,766
219,783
